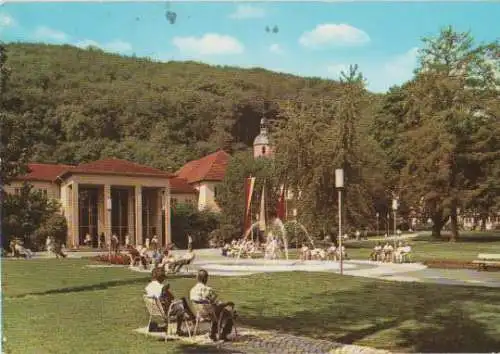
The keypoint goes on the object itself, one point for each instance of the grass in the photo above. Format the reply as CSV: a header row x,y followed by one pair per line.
x,y
60,306
425,248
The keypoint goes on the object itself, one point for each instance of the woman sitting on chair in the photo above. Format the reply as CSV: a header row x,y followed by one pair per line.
x,y
156,289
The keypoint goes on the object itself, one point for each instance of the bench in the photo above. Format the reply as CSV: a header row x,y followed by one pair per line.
x,y
486,260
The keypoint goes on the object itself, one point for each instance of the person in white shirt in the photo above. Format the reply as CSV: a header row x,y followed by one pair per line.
x,y
157,290
332,252
388,252
205,295
154,243
376,253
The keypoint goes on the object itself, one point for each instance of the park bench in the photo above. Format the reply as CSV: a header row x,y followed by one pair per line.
x,y
486,260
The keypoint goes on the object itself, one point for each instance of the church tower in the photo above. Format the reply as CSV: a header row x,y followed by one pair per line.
x,y
261,147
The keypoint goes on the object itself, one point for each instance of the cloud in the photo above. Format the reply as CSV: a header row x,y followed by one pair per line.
x,y
6,20
332,34
208,44
275,48
244,12
46,33
116,46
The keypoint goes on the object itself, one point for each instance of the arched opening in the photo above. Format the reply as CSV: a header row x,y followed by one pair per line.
x,y
263,150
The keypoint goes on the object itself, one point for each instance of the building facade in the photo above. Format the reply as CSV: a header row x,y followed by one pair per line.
x,y
106,197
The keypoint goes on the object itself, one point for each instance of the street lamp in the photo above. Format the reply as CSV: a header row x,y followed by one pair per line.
x,y
378,215
339,184
395,205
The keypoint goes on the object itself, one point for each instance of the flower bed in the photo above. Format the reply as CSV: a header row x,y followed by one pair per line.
x,y
450,264
113,259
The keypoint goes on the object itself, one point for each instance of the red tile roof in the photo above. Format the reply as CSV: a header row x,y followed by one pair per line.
x,y
118,167
44,172
208,168
181,186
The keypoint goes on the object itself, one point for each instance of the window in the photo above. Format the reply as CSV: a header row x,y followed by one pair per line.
x,y
174,202
17,191
44,191
263,150
216,192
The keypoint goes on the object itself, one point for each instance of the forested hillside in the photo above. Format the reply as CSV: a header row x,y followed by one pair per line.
x,y
86,104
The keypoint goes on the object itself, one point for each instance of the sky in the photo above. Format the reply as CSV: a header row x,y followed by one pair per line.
x,y
313,38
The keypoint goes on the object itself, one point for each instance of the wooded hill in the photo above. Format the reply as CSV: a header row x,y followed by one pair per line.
x,y
87,104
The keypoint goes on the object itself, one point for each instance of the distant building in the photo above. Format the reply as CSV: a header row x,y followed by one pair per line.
x,y
204,175
261,145
108,196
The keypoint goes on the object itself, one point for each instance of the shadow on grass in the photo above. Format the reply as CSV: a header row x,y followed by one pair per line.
x,y
93,287
414,317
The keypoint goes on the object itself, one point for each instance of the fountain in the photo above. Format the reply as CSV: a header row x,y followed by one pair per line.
x,y
276,231
303,228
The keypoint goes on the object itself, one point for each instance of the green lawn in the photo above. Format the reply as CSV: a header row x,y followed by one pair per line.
x,y
426,248
59,306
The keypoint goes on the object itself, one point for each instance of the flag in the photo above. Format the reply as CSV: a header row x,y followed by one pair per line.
x,y
281,207
262,217
249,184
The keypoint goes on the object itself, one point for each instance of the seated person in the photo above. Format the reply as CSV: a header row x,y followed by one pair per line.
x,y
376,253
168,260
226,249
21,251
388,252
186,259
341,251
155,289
332,252
404,252
204,295
305,253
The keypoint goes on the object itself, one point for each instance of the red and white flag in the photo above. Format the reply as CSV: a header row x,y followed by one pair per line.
x,y
249,184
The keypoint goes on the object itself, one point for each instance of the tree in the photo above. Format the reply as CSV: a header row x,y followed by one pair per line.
x,y
230,193
186,219
31,215
314,137
15,147
439,115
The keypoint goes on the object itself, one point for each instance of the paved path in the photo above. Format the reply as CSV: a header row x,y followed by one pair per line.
x,y
252,341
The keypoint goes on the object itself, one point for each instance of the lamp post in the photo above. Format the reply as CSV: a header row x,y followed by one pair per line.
x,y
109,205
295,228
395,205
377,215
339,184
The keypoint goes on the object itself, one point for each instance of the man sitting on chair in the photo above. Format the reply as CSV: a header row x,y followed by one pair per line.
x,y
155,289
202,294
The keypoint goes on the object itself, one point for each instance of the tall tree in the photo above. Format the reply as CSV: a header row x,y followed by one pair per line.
x,y
443,109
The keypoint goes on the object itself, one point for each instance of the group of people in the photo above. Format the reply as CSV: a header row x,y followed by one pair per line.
x,y
331,253
202,296
158,258
388,253
242,247
18,250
